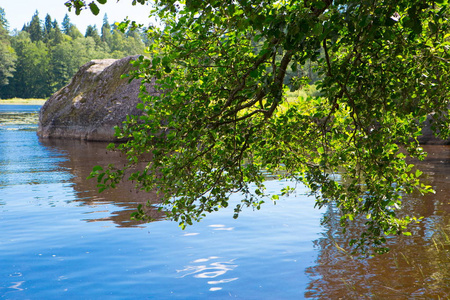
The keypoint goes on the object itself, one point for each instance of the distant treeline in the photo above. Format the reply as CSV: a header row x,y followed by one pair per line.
x,y
42,57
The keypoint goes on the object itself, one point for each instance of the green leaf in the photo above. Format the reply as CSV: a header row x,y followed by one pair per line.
x,y
319,4
94,8
97,168
317,29
418,173
433,27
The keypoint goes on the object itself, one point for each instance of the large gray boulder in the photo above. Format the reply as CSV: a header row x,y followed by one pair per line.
x,y
95,101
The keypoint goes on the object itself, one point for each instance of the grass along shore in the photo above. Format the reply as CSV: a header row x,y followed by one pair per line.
x,y
20,101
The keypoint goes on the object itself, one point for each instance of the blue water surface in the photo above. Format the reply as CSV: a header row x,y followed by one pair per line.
x,y
58,242
19,108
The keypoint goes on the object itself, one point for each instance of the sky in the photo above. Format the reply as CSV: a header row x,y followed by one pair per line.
x,y
19,12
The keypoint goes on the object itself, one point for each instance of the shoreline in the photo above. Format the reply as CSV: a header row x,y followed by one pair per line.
x,y
18,101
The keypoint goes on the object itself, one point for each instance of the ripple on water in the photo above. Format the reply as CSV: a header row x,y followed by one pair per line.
x,y
208,268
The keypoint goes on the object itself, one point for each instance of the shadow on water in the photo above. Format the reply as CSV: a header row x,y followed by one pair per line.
x,y
81,158
417,267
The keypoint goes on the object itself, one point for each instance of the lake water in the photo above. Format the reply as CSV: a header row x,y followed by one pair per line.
x,y
60,239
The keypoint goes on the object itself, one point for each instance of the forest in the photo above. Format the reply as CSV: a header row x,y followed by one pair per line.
x,y
43,56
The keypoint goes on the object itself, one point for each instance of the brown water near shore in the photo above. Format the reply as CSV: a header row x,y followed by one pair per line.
x,y
82,157
417,267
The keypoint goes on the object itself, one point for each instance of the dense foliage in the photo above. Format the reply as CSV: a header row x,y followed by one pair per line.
x,y
223,121
42,57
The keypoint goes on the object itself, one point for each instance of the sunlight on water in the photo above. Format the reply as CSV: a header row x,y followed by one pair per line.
x,y
210,267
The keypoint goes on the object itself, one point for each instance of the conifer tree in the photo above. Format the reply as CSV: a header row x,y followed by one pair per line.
x,y
66,24
3,21
56,35
106,31
47,27
93,32
35,28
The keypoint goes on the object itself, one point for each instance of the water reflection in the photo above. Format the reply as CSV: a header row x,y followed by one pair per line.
x,y
19,114
25,160
18,118
417,267
263,255
81,157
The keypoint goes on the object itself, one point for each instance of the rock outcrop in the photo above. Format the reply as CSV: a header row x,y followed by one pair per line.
x,y
95,101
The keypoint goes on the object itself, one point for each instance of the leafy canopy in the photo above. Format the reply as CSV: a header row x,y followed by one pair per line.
x,y
223,120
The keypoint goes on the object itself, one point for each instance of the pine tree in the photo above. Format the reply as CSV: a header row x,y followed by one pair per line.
x,y
106,31
74,33
35,29
66,24
56,35
3,21
93,32
47,26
